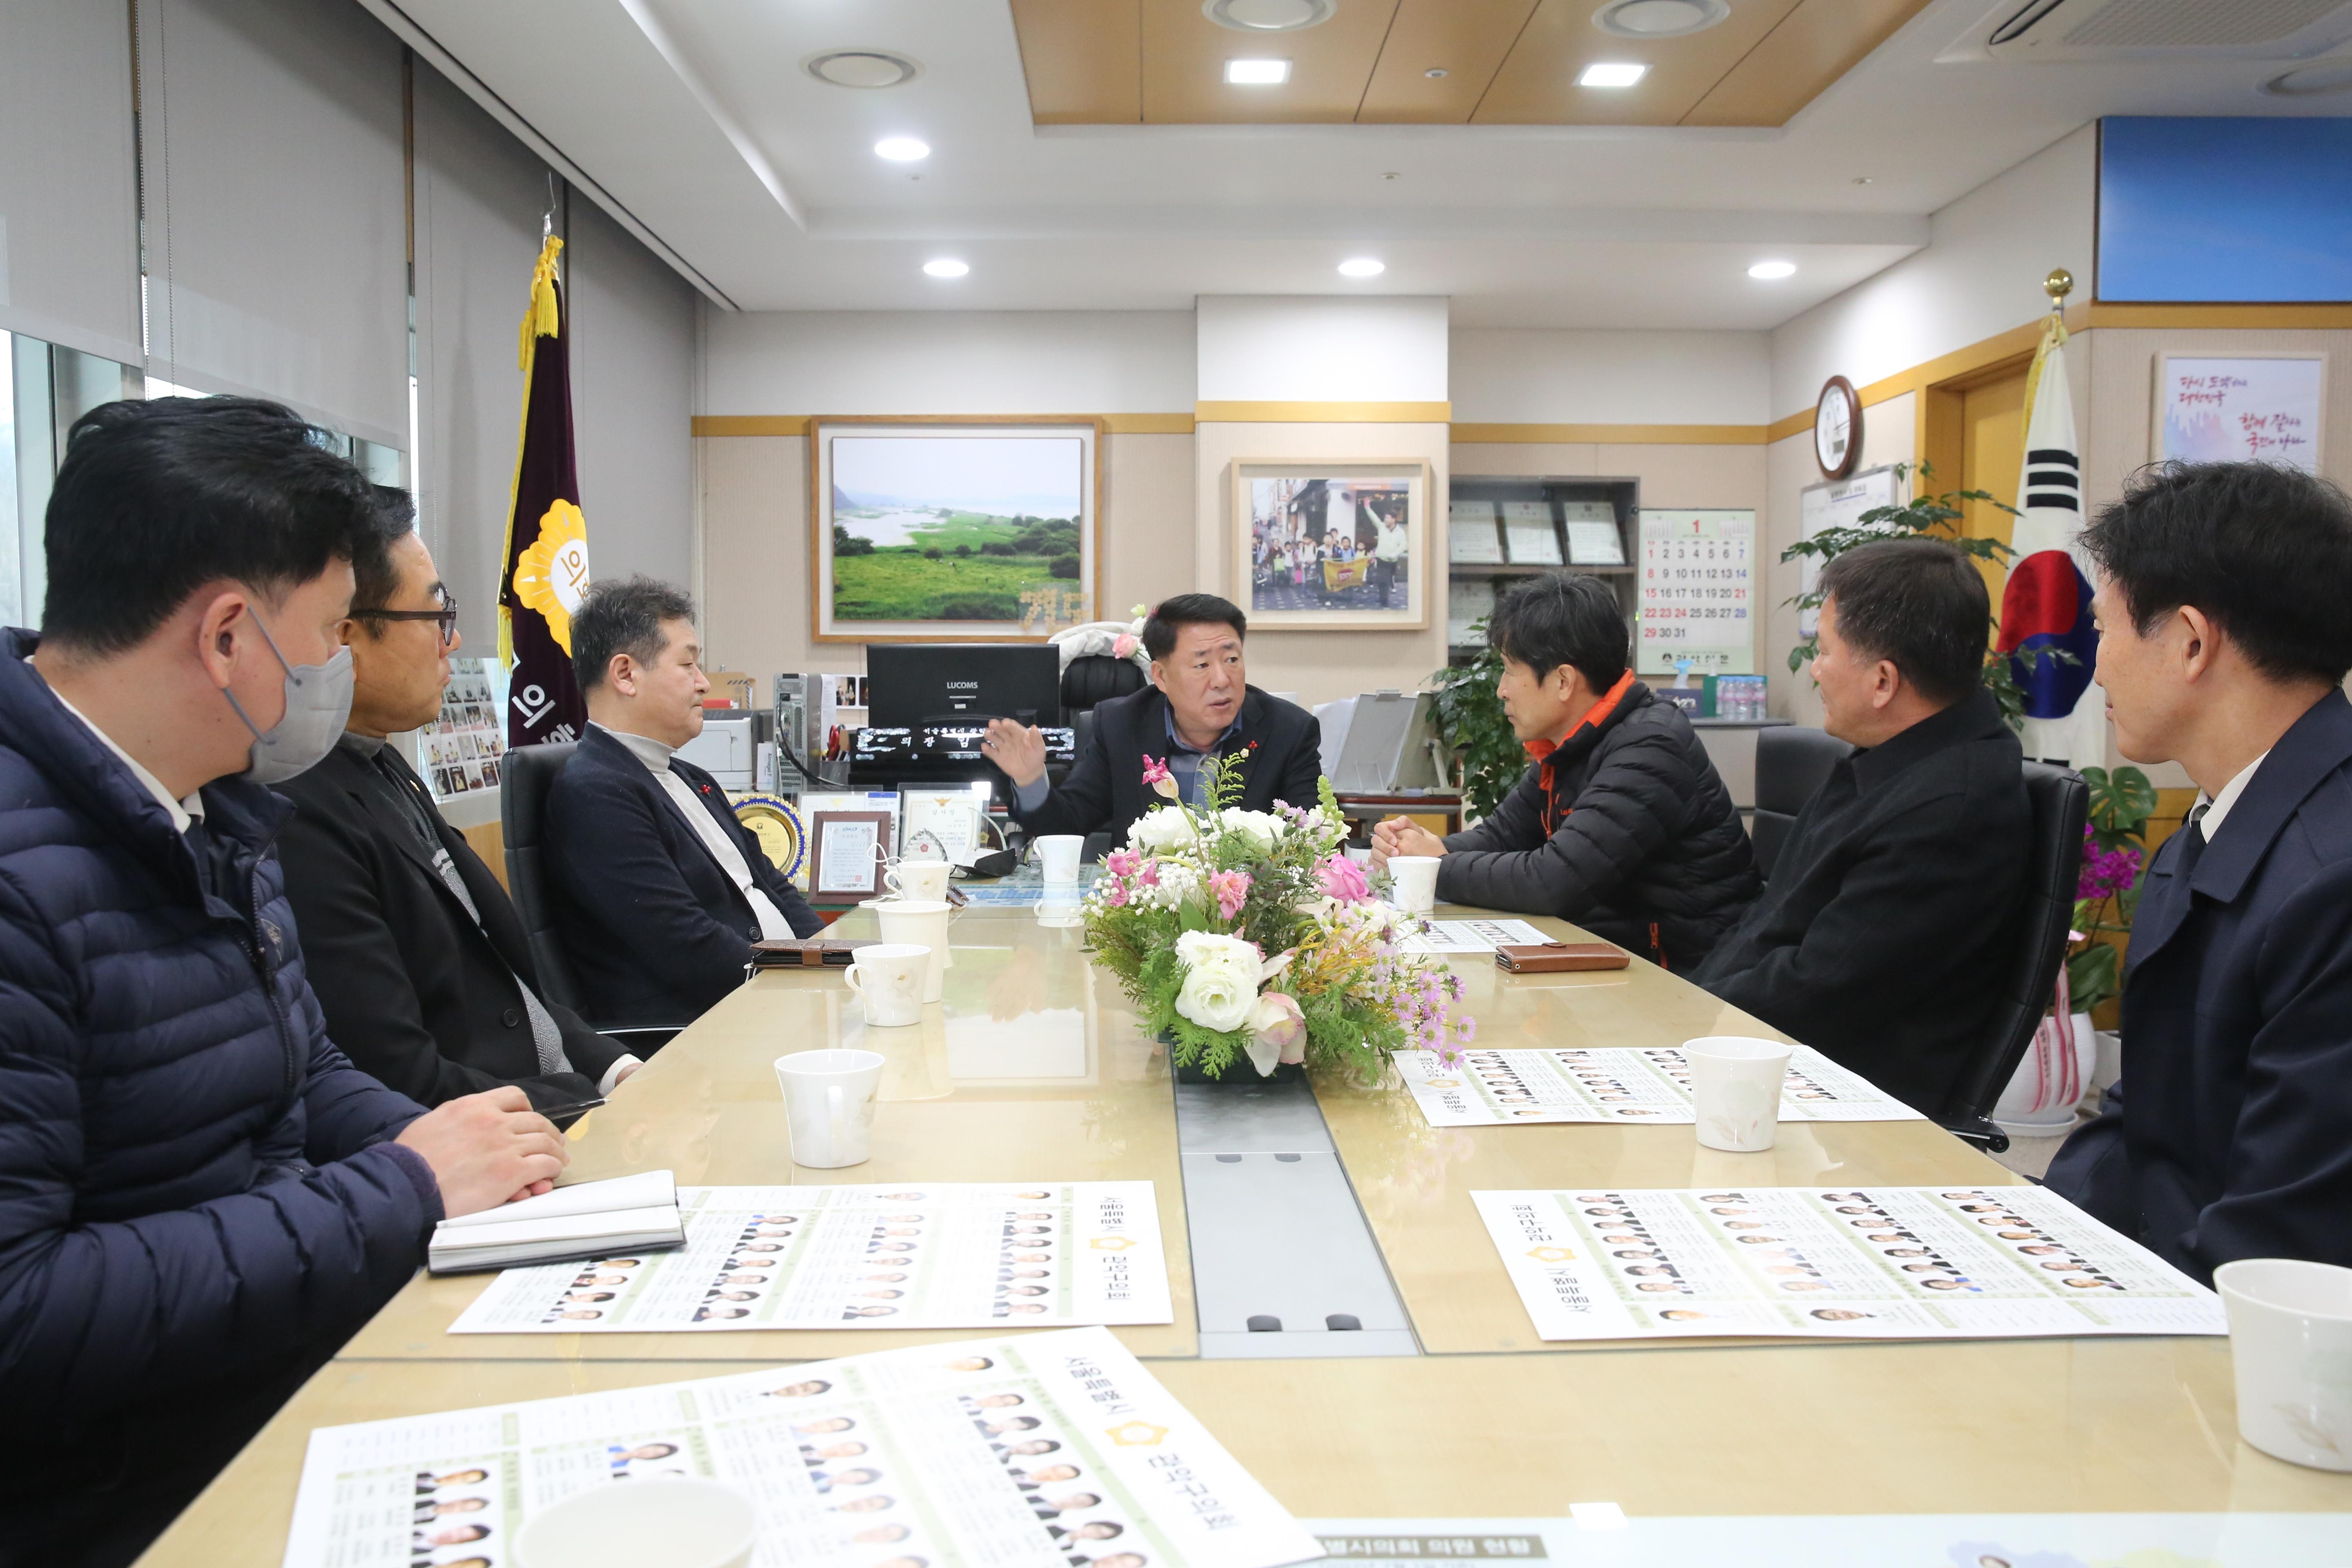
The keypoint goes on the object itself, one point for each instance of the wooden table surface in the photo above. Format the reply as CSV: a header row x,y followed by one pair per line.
x,y
1033,1069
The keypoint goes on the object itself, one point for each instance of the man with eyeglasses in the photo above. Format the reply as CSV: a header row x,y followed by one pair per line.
x,y
416,950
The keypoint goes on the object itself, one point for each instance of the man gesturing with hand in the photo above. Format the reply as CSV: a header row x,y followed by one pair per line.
x,y
200,1197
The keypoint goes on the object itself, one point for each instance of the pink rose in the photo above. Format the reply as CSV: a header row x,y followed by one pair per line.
x,y
1342,878
1231,889
1123,646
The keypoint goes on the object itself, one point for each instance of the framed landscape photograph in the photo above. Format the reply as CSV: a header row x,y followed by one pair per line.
x,y
1339,546
952,530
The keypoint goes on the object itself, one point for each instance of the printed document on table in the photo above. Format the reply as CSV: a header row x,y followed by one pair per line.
x,y
1024,1452
1648,1084
1471,936
1939,1263
912,1255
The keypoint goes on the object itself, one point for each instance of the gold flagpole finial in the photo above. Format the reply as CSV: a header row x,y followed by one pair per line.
x,y
2058,285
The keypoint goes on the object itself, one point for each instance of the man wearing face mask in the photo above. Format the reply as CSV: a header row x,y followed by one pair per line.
x,y
200,1197
414,949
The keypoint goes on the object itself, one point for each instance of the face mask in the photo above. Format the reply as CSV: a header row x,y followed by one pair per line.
x,y
318,702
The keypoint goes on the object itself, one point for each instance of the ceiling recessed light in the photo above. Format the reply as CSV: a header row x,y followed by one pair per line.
x,y
1435,73
1257,73
1362,267
1612,73
1267,16
1773,269
1863,180
862,67
945,267
902,149
1659,18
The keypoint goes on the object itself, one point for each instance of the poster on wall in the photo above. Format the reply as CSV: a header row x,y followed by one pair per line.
x,y
1699,591
1335,546
2256,408
461,751
951,529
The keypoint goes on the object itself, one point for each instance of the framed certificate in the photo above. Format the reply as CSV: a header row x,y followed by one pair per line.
x,y
847,850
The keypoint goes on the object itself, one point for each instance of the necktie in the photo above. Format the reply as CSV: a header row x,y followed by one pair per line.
x,y
2193,838
546,1035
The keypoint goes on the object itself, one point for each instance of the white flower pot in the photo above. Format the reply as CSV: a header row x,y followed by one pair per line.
x,y
2051,1081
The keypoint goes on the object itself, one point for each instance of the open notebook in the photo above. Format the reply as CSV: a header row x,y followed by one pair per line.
x,y
595,1219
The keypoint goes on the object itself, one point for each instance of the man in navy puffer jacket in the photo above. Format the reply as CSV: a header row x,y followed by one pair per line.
x,y
200,1197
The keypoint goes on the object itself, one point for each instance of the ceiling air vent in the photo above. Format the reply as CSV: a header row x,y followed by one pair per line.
x,y
2089,30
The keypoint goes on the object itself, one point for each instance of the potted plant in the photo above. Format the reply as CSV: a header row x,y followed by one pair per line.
x,y
1249,942
2115,847
1471,725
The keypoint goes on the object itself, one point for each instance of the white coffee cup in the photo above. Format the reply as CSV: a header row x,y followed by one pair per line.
x,y
829,1104
678,1521
1416,882
919,923
2291,1340
1057,856
889,978
1736,1084
923,880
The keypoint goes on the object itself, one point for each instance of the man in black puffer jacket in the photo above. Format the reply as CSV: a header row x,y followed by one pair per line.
x,y
1622,824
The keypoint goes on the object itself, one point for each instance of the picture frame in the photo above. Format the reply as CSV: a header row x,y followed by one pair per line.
x,y
2240,407
848,853
1295,568
915,537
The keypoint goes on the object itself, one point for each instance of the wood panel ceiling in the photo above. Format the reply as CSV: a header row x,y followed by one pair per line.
x,y
1503,62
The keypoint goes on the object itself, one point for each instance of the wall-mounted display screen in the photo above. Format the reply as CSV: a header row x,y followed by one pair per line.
x,y
2225,210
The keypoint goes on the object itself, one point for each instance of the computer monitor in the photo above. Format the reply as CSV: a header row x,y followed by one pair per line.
x,y
910,684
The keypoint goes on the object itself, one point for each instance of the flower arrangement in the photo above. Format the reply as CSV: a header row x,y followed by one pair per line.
x,y
1250,934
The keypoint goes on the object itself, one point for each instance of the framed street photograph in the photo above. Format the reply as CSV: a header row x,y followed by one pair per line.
x,y
1339,546
952,530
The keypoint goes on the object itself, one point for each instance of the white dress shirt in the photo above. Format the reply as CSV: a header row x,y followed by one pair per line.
x,y
183,812
715,838
2219,807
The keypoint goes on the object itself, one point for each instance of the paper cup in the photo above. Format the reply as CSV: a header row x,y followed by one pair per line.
x,y
1416,882
2291,1340
889,978
1057,856
925,880
676,1521
829,1105
1736,1087
919,923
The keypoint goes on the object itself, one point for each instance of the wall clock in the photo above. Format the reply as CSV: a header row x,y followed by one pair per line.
x,y
1837,428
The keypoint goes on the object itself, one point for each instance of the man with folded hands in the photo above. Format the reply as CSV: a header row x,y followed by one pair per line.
x,y
200,1197
1621,825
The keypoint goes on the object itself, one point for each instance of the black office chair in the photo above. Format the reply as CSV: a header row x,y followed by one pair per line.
x,y
1791,765
2059,801
529,773
1098,678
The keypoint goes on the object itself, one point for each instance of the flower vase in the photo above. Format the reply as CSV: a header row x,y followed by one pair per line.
x,y
1240,1071
2050,1081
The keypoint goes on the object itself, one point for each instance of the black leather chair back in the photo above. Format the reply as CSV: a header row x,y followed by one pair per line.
x,y
1791,764
1098,678
529,773
2059,801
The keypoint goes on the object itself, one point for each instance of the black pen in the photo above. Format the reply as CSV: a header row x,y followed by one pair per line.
x,y
577,1106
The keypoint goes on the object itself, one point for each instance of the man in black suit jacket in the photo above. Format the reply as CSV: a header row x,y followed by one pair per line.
x,y
415,952
1882,934
2224,641
1200,705
659,891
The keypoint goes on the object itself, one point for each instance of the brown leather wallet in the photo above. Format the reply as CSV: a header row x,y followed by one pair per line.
x,y
807,952
1552,957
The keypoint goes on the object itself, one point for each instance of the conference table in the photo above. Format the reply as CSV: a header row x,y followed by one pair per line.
x,y
1035,1068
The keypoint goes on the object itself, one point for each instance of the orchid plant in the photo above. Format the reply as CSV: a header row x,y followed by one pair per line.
x,y
1250,935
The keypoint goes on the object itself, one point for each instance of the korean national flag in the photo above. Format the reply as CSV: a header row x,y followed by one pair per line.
x,y
2047,602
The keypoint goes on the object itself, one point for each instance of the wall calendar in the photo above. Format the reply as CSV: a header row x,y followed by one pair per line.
x,y
1698,591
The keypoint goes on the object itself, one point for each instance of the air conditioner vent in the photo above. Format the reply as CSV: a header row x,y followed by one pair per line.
x,y
2197,23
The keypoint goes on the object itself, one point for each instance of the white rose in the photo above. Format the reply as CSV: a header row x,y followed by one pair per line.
x,y
1159,830
1219,995
1203,950
1258,829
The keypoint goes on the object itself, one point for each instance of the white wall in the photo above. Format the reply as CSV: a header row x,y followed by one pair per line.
x,y
631,384
1299,348
1566,377
1980,275
948,361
